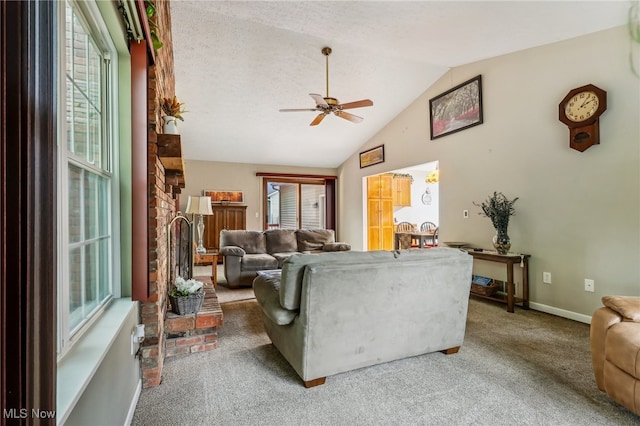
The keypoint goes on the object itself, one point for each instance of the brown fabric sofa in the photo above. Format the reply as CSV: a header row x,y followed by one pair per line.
x,y
244,253
615,349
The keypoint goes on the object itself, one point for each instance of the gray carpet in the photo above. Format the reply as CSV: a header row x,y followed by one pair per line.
x,y
527,368
224,293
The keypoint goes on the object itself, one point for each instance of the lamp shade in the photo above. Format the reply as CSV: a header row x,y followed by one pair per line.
x,y
199,205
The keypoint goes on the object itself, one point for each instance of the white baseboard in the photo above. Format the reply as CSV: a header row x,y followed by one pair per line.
x,y
560,312
134,403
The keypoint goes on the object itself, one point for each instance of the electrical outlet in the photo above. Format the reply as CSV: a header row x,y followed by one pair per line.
x,y
546,277
589,285
465,214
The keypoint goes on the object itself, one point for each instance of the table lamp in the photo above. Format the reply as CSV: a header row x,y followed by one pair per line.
x,y
199,206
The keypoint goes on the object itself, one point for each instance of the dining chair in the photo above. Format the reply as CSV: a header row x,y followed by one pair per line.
x,y
405,240
404,227
435,237
430,227
427,226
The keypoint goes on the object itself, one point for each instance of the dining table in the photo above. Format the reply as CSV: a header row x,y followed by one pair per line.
x,y
426,239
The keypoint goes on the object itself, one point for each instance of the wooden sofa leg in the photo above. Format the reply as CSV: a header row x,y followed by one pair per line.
x,y
451,351
315,382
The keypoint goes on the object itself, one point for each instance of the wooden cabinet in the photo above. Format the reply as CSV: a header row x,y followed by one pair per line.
x,y
380,227
224,217
402,191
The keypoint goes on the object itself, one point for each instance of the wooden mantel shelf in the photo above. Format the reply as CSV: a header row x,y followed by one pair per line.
x,y
170,154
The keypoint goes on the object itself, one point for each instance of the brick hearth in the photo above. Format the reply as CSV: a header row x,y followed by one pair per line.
x,y
187,334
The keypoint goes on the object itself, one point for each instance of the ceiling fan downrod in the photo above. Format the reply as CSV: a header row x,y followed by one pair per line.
x,y
326,51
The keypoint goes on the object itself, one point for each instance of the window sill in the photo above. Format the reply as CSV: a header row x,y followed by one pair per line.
x,y
79,365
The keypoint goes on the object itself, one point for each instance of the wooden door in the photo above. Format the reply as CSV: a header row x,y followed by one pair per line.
x,y
236,217
211,230
380,212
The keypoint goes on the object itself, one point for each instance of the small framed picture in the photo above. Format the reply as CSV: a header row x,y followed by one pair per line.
x,y
456,109
372,156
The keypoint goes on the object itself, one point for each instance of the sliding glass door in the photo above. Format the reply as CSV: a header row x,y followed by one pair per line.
x,y
294,205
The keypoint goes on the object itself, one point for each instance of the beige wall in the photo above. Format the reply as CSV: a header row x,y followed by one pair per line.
x,y
200,175
578,213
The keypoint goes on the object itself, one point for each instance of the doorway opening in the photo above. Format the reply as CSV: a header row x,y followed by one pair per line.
x,y
410,194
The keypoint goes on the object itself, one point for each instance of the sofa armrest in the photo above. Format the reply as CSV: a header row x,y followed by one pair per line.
x,y
601,321
266,287
232,251
336,247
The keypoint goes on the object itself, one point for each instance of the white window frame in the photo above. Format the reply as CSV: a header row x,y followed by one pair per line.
x,y
93,23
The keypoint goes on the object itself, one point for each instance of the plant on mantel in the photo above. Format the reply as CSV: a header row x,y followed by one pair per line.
x,y
172,107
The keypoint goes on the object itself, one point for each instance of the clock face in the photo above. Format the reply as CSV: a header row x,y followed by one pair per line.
x,y
582,106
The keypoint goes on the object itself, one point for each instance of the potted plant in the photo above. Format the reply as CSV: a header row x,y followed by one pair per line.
x,y
186,296
499,209
173,111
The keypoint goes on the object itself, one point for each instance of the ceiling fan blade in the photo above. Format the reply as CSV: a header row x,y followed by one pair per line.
x,y
318,119
348,116
297,109
319,99
357,104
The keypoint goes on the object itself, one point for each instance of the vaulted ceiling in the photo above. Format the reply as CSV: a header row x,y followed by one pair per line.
x,y
237,63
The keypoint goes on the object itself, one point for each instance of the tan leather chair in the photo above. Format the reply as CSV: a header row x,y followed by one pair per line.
x,y
615,349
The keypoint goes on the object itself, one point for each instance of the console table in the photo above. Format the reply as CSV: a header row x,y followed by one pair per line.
x,y
509,260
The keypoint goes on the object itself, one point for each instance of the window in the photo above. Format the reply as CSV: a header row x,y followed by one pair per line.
x,y
86,158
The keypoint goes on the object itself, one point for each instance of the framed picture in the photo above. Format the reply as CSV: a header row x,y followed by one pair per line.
x,y
372,156
224,197
456,109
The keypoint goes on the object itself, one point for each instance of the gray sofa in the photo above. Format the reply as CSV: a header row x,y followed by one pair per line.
x,y
336,312
244,253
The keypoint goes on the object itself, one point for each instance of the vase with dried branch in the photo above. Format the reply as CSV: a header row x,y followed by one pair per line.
x,y
499,209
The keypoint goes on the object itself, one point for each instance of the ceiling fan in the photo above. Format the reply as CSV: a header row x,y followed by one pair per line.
x,y
327,105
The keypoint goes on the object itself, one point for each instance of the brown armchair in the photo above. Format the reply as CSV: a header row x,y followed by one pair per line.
x,y
615,349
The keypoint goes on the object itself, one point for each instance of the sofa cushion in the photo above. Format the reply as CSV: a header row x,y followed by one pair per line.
x,y
281,240
293,270
258,262
627,306
251,242
314,239
336,247
266,287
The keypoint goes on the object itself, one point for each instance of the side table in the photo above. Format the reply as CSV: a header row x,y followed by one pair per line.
x,y
210,256
509,260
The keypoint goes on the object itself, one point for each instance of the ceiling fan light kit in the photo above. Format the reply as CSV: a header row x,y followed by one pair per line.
x,y
327,105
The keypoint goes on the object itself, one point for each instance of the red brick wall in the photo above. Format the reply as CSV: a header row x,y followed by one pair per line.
x,y
165,333
162,206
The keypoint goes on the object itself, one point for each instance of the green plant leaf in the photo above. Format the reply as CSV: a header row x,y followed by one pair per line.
x,y
157,44
150,9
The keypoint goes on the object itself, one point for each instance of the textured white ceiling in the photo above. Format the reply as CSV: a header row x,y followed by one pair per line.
x,y
237,63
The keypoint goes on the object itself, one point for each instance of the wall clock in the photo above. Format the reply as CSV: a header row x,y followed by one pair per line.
x,y
580,110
